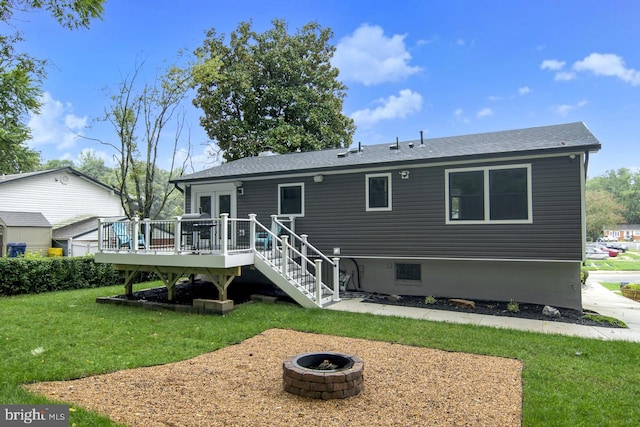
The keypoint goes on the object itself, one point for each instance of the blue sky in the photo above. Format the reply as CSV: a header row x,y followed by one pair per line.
x,y
445,67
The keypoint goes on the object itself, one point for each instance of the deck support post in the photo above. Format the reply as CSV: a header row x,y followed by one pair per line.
x,y
129,275
336,279
169,278
318,263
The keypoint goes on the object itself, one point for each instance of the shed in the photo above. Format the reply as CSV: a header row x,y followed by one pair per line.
x,y
31,228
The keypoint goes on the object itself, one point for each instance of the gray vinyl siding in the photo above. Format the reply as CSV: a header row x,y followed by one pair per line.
x,y
335,216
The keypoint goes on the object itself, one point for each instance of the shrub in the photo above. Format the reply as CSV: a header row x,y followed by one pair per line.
x,y
513,307
30,275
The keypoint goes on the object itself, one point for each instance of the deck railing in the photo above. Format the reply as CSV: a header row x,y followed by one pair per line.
x,y
205,235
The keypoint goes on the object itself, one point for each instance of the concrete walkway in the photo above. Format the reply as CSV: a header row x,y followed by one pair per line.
x,y
594,297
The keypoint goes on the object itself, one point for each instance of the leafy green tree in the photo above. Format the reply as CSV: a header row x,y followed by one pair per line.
x,y
57,164
21,76
95,168
624,187
602,210
271,91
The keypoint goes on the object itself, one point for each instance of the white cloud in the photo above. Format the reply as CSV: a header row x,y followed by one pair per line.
x,y
485,112
370,58
56,124
565,76
393,107
524,90
609,65
493,98
460,42
565,109
552,64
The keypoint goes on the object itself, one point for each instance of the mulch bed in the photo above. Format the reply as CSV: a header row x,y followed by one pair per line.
x,y
241,293
493,308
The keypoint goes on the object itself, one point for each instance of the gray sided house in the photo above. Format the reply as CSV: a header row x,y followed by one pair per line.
x,y
492,216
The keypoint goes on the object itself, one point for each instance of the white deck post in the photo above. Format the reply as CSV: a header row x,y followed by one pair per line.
x,y
225,233
100,234
336,279
177,234
292,223
252,231
303,251
319,282
147,233
285,255
135,234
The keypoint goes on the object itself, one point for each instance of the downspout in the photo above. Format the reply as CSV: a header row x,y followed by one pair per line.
x,y
586,164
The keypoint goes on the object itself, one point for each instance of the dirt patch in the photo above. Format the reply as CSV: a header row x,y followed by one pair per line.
x,y
241,385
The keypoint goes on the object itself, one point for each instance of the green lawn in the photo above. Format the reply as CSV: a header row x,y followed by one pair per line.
x,y
62,335
628,261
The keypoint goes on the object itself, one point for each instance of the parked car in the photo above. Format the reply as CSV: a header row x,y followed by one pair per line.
x,y
608,239
617,246
593,253
599,246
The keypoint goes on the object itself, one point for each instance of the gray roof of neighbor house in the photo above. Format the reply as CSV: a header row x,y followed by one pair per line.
x,y
17,176
24,219
570,137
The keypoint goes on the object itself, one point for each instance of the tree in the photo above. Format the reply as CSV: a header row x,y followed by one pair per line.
x,y
21,76
602,210
140,117
271,91
624,187
57,164
94,167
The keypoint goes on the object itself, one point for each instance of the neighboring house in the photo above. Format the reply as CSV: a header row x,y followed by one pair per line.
x,y
623,232
63,196
493,216
30,228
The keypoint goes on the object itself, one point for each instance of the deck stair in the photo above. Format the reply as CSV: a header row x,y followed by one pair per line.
x,y
288,264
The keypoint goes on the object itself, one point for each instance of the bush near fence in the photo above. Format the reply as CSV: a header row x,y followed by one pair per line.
x,y
32,275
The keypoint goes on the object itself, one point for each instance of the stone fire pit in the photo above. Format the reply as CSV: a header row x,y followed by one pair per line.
x,y
327,375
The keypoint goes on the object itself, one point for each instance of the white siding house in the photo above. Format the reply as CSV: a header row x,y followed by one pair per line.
x,y
63,196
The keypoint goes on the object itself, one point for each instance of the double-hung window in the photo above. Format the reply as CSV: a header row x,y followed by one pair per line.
x,y
378,192
291,199
499,194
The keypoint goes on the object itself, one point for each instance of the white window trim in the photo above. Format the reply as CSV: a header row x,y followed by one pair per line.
x,y
293,184
487,206
389,198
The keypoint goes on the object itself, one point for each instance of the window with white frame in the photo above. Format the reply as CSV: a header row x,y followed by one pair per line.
x,y
378,192
291,199
499,194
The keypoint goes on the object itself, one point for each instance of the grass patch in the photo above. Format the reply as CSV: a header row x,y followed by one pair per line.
x,y
612,286
612,320
64,335
628,261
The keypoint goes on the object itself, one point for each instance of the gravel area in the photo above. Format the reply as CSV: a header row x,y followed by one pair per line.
x,y
241,385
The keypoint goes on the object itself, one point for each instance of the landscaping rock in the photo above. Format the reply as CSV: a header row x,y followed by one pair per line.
x,y
394,298
463,303
551,312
